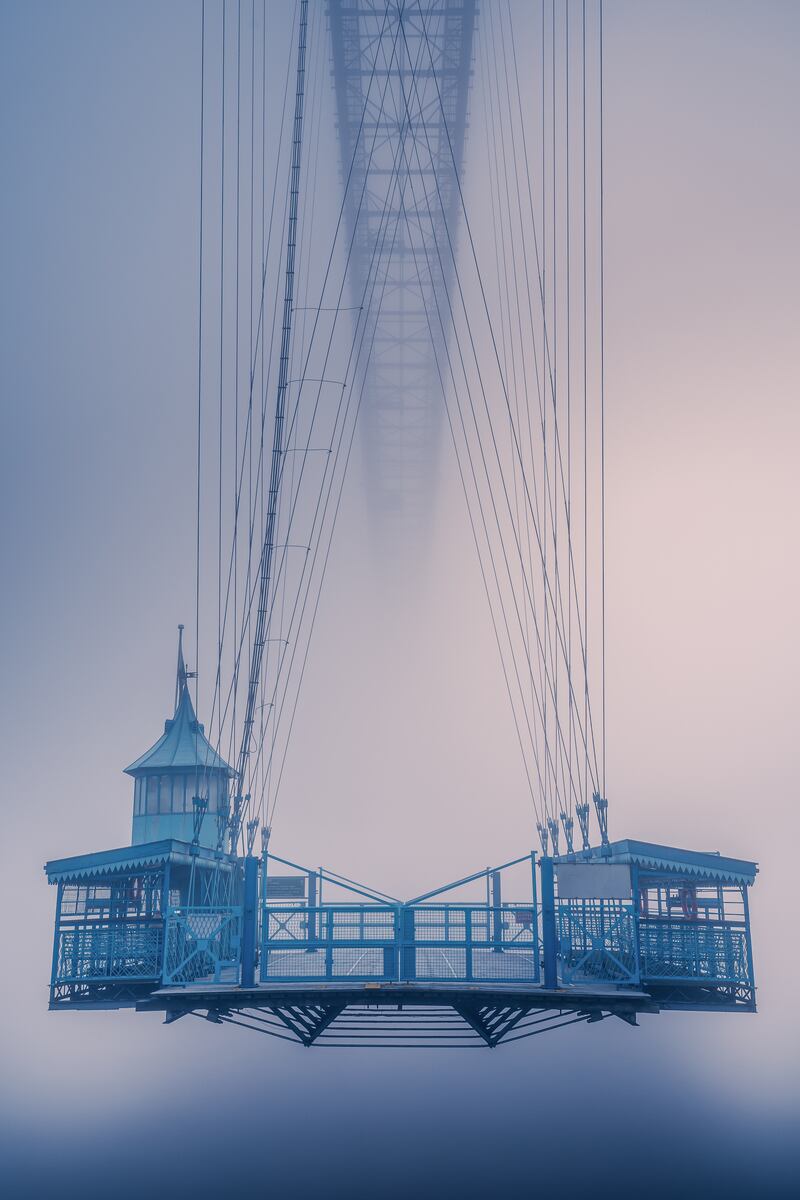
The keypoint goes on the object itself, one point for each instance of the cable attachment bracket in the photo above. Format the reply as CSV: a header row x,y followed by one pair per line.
x,y
235,822
222,825
582,811
569,826
543,837
552,825
601,808
199,806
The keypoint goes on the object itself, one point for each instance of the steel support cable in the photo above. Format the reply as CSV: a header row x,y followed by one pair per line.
x,y
585,405
497,521
200,346
331,337
602,419
494,342
569,369
474,255
332,526
252,372
316,124
485,465
494,440
352,372
538,516
349,372
486,584
572,584
246,622
320,308
498,142
488,593
475,533
315,610
252,691
521,339
221,363
582,630
363,307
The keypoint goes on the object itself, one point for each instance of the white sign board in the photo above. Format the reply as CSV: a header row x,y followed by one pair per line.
x,y
593,881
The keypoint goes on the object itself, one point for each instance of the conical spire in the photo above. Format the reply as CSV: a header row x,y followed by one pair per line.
x,y
182,676
183,745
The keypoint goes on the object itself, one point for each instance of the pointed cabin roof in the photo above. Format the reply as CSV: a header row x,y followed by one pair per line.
x,y
182,746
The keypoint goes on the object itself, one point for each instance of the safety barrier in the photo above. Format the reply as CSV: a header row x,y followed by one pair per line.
x,y
203,944
441,943
95,953
694,951
597,942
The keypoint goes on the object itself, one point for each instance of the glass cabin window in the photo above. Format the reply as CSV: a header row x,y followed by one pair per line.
x,y
152,794
165,795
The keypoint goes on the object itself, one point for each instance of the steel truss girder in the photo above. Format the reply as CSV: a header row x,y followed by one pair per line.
x,y
397,227
398,1015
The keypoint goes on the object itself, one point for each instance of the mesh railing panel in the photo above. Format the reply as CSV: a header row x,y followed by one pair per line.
x,y
131,950
444,943
597,941
203,945
679,950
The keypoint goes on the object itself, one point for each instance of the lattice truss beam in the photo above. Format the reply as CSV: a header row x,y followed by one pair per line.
x,y
401,73
463,1022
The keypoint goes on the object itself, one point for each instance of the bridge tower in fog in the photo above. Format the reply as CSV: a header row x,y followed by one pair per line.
x,y
402,79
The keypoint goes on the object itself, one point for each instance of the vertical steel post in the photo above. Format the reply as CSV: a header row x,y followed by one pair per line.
x,y
56,941
535,916
497,914
748,942
311,914
549,942
408,953
249,921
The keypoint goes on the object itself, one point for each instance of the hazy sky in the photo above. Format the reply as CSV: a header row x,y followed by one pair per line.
x,y
406,770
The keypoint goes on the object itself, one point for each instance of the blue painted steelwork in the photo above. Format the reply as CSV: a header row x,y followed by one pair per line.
x,y
632,922
597,942
548,923
114,934
203,944
414,941
684,934
445,943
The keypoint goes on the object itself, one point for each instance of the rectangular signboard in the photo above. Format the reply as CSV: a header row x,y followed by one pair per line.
x,y
286,887
593,881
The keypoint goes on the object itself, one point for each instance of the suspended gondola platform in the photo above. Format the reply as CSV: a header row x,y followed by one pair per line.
x,y
174,924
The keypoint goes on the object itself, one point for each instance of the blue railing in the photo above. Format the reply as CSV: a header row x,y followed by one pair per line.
x,y
97,953
681,951
203,944
434,943
597,942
